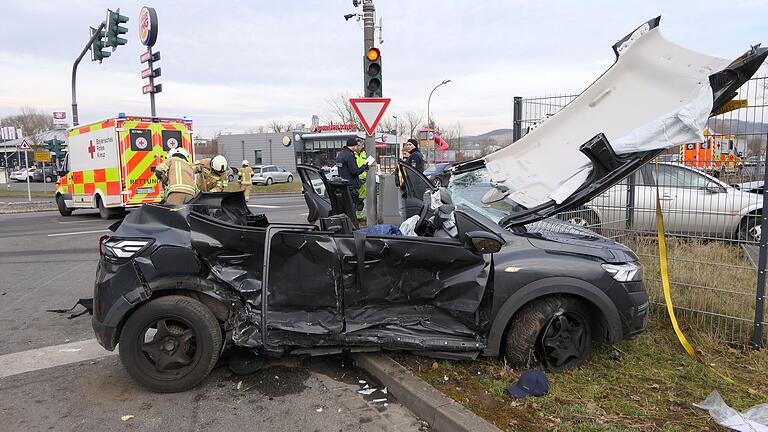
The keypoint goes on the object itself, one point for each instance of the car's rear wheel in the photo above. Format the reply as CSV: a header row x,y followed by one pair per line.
x,y
554,332
62,206
170,344
750,229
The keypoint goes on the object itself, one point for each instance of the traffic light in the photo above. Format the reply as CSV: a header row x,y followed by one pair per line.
x,y
54,145
114,31
98,53
372,73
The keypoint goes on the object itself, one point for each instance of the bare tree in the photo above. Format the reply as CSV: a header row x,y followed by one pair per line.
x,y
341,110
32,122
279,126
412,121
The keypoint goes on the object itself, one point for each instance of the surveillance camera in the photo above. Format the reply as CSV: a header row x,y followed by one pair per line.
x,y
348,16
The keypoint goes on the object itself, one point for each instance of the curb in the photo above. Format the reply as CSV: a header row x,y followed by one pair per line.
x,y
441,412
26,207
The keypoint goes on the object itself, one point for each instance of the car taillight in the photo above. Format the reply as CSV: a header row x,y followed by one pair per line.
x,y
102,239
117,249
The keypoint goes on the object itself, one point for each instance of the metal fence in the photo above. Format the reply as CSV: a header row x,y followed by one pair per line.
x,y
711,196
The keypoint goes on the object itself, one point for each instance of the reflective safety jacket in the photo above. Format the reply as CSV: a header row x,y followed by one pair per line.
x,y
177,175
360,159
207,179
245,174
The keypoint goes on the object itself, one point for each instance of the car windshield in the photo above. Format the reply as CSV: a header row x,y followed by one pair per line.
x,y
468,189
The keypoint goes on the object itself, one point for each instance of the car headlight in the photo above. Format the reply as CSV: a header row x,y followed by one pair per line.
x,y
627,272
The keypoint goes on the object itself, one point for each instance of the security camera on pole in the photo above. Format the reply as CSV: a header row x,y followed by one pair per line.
x,y
148,37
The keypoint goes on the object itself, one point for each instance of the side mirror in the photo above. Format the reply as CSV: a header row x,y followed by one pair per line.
x,y
484,242
714,188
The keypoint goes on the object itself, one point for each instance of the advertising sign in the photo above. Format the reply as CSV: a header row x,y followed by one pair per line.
x,y
148,26
59,118
42,156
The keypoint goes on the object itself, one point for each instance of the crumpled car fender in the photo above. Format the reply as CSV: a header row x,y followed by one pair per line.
x,y
542,288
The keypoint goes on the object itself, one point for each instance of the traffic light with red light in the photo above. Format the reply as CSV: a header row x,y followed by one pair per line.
x,y
372,73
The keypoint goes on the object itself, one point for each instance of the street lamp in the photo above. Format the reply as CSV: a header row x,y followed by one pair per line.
x,y
429,116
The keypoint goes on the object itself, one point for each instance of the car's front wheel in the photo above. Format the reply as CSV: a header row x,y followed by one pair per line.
x,y
554,332
62,206
290,179
269,181
750,229
170,344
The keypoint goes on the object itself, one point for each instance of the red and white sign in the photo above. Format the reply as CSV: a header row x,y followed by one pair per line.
x,y
147,26
370,111
59,117
24,145
144,57
146,73
334,127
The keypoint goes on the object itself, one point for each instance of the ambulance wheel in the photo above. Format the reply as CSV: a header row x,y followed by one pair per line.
x,y
62,206
107,213
269,181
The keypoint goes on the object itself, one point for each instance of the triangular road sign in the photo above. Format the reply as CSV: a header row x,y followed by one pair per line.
x,y
24,145
370,111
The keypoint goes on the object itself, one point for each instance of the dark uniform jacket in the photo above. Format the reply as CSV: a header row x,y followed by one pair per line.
x,y
416,160
348,169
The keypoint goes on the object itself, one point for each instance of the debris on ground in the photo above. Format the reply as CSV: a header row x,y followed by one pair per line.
x,y
126,417
754,419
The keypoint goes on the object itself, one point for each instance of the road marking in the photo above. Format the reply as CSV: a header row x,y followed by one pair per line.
x,y
264,206
51,356
78,232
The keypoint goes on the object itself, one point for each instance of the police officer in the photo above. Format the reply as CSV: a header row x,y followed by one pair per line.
x,y
245,175
348,169
213,174
177,176
415,158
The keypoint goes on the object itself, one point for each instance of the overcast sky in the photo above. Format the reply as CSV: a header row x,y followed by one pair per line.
x,y
234,65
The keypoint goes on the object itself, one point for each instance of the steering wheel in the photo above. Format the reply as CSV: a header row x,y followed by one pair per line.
x,y
421,224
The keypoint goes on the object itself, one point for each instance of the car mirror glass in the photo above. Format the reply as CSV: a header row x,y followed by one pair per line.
x,y
713,187
484,242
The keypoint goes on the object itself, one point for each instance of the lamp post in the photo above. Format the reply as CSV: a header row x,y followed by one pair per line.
x,y
429,116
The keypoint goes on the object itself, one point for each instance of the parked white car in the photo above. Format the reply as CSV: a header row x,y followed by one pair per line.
x,y
268,174
693,203
22,174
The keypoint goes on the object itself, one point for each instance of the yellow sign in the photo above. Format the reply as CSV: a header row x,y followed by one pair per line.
x,y
42,156
731,105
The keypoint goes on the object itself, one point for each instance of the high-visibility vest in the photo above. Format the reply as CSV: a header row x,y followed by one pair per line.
x,y
360,159
245,174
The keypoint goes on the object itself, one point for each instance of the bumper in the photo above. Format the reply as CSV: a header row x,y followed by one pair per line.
x,y
116,291
635,314
105,335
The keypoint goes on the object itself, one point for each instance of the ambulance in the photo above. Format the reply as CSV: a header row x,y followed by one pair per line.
x,y
112,162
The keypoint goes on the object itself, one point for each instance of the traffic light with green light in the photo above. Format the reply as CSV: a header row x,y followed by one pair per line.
x,y
54,145
372,73
114,30
98,52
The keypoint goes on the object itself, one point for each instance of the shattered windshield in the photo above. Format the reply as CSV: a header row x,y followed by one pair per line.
x,y
468,188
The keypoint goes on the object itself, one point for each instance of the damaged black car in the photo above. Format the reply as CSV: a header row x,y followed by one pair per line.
x,y
486,273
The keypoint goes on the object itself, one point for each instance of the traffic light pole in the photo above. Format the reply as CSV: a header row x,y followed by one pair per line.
x,y
96,35
369,17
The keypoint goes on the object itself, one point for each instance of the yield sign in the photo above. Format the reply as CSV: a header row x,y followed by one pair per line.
x,y
24,145
370,111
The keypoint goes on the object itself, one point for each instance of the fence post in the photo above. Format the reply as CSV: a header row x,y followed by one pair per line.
x,y
757,336
631,200
517,118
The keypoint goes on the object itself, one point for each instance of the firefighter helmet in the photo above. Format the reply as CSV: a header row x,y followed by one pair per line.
x,y
178,151
245,162
219,163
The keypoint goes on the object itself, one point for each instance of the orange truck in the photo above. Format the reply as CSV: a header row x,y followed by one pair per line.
x,y
112,162
718,154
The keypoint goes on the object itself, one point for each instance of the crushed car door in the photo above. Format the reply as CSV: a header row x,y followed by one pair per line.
x,y
415,184
413,292
315,190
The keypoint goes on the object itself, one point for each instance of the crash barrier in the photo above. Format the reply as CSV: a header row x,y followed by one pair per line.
x,y
711,195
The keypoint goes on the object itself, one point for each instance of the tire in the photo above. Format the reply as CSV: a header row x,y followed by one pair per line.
x,y
62,206
190,333
48,179
437,182
103,210
553,332
584,218
750,229
269,181
290,179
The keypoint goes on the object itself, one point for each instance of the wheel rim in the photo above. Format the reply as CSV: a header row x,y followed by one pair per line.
x,y
167,348
269,181
563,340
753,234
437,182
580,221
290,179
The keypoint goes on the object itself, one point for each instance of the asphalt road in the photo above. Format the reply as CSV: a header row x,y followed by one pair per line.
x,y
48,261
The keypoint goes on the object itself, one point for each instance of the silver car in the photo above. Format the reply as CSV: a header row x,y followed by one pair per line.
x,y
693,203
268,174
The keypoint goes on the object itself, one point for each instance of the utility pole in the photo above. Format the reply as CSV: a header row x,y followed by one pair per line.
x,y
96,35
369,21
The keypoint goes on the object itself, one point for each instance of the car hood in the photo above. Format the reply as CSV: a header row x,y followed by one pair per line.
x,y
656,95
561,237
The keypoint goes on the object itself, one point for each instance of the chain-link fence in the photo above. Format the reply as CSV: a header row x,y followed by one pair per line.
x,y
711,196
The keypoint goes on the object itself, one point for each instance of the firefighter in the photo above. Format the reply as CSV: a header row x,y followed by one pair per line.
x,y
212,174
177,177
245,174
